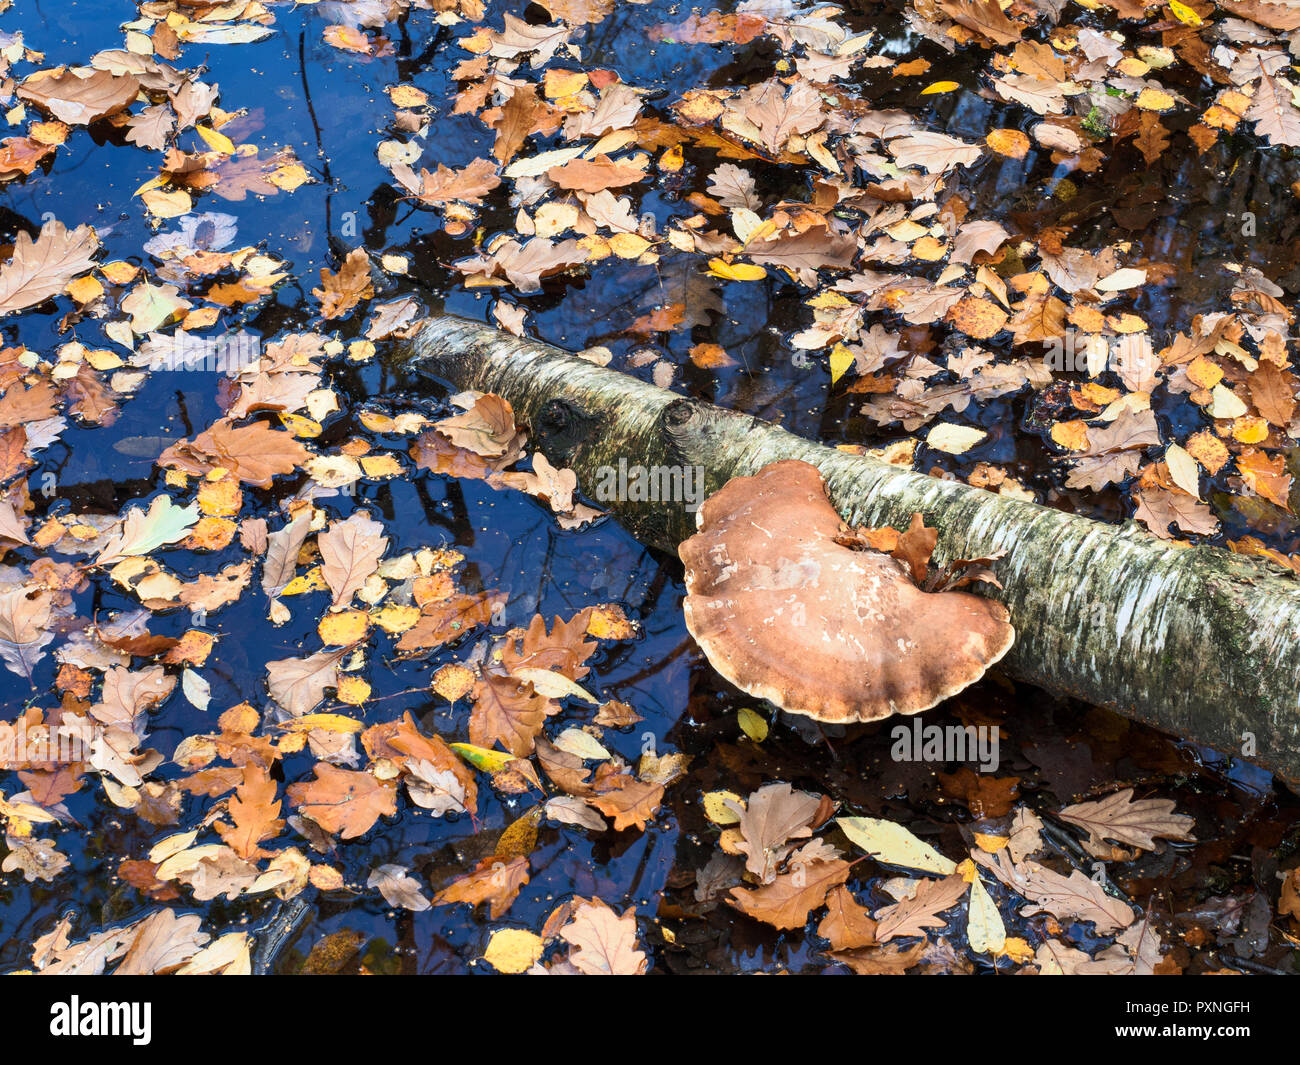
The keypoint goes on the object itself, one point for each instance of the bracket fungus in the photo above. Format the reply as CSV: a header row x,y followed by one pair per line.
x,y
786,612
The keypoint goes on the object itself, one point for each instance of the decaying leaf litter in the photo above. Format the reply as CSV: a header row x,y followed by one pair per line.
x,y
941,228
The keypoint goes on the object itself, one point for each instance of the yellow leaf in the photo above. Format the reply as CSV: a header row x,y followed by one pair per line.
x,y
300,426
482,758
453,681
85,289
752,725
1153,100
101,359
173,844
25,811
289,176
841,360
1009,142
984,928
513,950
311,581
344,628
394,619
894,845
152,183
953,439
353,690
736,271
717,810
1249,429
119,272
167,204
407,96
628,245
1183,13
939,87
608,622
218,142
553,684
559,83
1071,435
1017,949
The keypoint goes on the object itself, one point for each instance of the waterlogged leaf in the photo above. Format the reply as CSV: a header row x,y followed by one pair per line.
x,y
934,152
513,950
254,811
481,758
1009,142
196,689
954,439
921,910
847,924
37,859
774,816
282,547
253,453
594,175
328,722
467,185
1076,897
1274,113
343,801
571,810
736,271
42,268
496,880
894,845
440,791
1135,822
1183,470
162,942
985,17
630,802
398,887
1159,509
350,551
79,99
1120,280
985,930
752,724
341,292
487,428
143,532
298,684
723,807
841,359
24,632
788,900
582,744
603,942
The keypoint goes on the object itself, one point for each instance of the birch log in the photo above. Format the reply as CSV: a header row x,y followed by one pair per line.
x,y
1196,641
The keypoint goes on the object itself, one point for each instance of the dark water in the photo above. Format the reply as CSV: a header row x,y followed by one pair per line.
x,y
330,107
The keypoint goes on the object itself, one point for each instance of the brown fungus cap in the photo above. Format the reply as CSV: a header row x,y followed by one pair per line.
x,y
785,613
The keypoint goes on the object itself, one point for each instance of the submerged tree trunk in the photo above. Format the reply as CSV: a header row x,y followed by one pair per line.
x,y
1192,640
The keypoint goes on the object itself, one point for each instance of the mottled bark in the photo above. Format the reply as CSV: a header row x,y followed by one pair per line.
x,y
1193,640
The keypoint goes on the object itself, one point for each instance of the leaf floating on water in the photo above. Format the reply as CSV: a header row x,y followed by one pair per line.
x,y
894,845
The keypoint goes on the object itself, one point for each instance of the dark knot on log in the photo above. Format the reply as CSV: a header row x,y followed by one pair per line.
x,y
561,428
